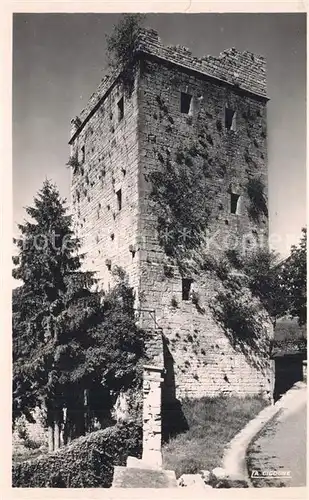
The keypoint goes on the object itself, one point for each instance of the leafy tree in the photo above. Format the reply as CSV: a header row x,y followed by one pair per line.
x,y
294,278
280,286
261,269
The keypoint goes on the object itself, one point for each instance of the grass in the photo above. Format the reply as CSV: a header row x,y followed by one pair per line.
x,y
213,422
288,328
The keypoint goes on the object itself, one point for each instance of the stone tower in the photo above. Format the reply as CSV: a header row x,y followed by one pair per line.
x,y
118,140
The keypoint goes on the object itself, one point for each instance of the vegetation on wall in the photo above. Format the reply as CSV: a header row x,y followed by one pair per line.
x,y
121,47
74,163
256,193
184,188
184,197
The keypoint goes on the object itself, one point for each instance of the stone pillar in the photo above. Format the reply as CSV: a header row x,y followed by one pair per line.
x,y
304,370
152,379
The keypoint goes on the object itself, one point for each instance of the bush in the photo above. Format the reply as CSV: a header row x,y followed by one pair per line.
x,y
86,463
121,47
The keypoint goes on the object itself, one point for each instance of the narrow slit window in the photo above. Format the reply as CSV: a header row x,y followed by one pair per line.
x,y
234,203
185,103
230,119
83,153
186,288
120,106
119,199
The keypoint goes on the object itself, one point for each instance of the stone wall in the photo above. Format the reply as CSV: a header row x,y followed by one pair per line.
x,y
120,154
200,359
107,149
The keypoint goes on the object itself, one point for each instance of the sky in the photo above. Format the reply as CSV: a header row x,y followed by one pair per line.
x,y
59,60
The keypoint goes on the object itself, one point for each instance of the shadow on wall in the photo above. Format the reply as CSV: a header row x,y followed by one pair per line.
x,y
173,419
244,332
288,371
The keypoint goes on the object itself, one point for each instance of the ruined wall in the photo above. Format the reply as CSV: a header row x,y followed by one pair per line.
x,y
108,164
199,357
243,70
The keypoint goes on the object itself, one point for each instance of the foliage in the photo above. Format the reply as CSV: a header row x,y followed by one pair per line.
x,y
260,267
287,328
298,345
122,45
87,462
258,203
262,275
252,283
183,200
23,435
74,163
294,278
231,483
115,344
212,422
66,339
77,121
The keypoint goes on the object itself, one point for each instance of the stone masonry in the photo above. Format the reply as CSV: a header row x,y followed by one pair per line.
x,y
118,139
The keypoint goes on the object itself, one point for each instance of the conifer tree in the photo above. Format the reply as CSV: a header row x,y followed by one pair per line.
x,y
71,343
49,266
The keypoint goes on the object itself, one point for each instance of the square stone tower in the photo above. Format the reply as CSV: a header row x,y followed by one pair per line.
x,y
214,109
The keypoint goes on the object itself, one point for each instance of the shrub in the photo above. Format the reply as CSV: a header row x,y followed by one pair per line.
x,y
87,462
122,45
190,464
74,163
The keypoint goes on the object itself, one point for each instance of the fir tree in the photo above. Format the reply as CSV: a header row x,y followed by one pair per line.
x,y
70,342
49,266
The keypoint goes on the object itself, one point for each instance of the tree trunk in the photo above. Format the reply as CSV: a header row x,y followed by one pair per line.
x,y
86,411
50,431
57,434
67,433
50,438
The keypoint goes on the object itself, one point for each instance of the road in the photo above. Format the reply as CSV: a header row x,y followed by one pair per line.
x,y
281,446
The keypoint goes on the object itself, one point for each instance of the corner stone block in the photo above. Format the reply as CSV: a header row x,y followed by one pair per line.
x,y
152,425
